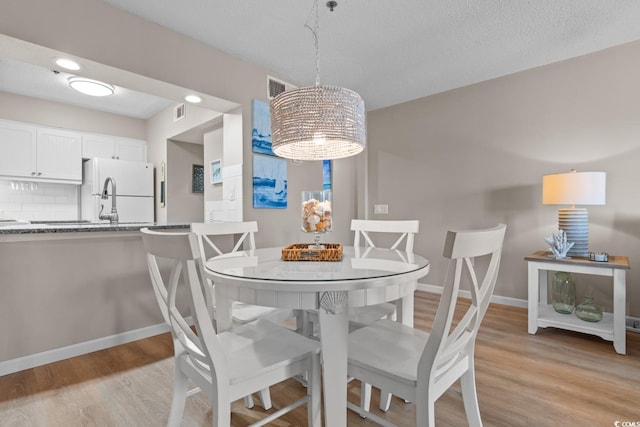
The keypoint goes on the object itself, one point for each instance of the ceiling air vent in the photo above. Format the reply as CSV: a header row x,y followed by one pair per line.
x,y
276,87
178,112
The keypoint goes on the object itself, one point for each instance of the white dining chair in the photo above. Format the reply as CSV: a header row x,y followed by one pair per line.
x,y
208,232
387,234
232,364
420,366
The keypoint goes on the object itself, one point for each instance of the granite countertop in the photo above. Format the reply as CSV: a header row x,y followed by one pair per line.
x,y
36,227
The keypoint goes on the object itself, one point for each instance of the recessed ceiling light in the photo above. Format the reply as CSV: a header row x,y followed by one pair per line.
x,y
68,64
194,99
91,87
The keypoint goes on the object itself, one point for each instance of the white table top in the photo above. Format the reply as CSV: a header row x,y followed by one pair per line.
x,y
265,266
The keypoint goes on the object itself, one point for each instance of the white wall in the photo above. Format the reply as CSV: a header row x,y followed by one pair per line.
x,y
475,157
183,204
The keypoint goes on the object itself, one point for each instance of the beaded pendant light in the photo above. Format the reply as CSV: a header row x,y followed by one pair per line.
x,y
318,122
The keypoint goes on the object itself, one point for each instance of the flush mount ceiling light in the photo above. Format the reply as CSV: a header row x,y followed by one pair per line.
x,y
318,122
68,64
91,87
194,99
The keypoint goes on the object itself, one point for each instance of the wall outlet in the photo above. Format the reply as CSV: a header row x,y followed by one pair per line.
x,y
633,324
381,209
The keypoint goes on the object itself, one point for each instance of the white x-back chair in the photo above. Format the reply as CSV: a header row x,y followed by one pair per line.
x,y
207,232
365,233
232,364
396,231
425,365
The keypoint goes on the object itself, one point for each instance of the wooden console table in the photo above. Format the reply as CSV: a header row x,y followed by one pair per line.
x,y
542,315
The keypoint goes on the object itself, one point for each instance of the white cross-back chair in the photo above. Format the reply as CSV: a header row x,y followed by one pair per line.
x,y
232,364
207,232
420,366
365,232
396,231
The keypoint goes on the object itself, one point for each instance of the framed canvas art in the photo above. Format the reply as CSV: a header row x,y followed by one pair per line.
x,y
326,174
197,178
261,124
269,182
216,171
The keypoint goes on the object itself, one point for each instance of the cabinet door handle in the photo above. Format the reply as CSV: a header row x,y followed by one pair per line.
x,y
33,173
39,173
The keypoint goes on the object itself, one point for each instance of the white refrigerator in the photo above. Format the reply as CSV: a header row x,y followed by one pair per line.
x,y
134,189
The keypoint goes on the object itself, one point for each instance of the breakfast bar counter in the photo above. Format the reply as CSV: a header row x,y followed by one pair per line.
x,y
40,230
70,289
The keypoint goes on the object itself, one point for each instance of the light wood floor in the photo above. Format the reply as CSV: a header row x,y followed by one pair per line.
x,y
553,378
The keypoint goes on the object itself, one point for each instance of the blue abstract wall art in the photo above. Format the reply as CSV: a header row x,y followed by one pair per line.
x,y
261,135
269,182
326,174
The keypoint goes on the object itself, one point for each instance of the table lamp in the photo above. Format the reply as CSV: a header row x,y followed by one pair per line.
x,y
574,188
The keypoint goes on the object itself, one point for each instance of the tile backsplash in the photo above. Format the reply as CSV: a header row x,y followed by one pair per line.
x,y
38,201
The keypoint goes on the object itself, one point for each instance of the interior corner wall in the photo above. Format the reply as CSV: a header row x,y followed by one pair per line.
x,y
475,157
184,205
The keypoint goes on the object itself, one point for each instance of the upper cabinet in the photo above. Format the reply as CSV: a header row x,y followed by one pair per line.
x,y
40,153
113,147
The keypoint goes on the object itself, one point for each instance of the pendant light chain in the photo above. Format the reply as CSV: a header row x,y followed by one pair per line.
x,y
315,31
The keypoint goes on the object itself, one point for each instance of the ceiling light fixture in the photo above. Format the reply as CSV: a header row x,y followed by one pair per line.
x,y
91,87
318,122
194,99
68,64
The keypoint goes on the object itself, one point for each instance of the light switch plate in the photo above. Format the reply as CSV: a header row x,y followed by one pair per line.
x,y
381,209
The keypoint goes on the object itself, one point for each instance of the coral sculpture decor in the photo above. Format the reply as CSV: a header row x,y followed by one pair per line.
x,y
558,244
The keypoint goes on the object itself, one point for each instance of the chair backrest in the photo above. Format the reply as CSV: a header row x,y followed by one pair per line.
x,y
407,229
205,232
202,349
447,348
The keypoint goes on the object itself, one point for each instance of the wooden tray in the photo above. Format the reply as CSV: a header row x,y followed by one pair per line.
x,y
302,252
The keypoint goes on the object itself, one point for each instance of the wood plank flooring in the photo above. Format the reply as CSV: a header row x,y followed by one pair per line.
x,y
553,378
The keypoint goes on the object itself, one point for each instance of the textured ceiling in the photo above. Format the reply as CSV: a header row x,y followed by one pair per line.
x,y
391,52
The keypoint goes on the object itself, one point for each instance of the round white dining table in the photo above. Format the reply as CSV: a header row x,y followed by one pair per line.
x,y
364,276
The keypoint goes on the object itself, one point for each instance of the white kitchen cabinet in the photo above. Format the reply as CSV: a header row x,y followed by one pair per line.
x,y
17,149
38,153
113,147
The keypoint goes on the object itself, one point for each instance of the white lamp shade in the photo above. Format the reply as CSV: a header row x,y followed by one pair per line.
x,y
574,188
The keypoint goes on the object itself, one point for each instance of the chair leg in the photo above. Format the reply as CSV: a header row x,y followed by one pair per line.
x,y
470,397
314,404
265,397
221,411
425,413
385,400
248,401
180,384
365,398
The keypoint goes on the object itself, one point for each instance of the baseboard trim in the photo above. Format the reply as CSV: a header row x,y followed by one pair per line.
x,y
515,302
50,356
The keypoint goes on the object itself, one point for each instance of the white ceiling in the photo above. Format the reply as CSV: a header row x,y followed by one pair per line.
x,y
395,51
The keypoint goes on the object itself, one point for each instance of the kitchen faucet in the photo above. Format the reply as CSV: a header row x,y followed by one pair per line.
x,y
113,216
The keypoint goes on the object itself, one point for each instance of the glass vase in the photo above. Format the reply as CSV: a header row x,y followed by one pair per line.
x,y
563,292
317,215
588,311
